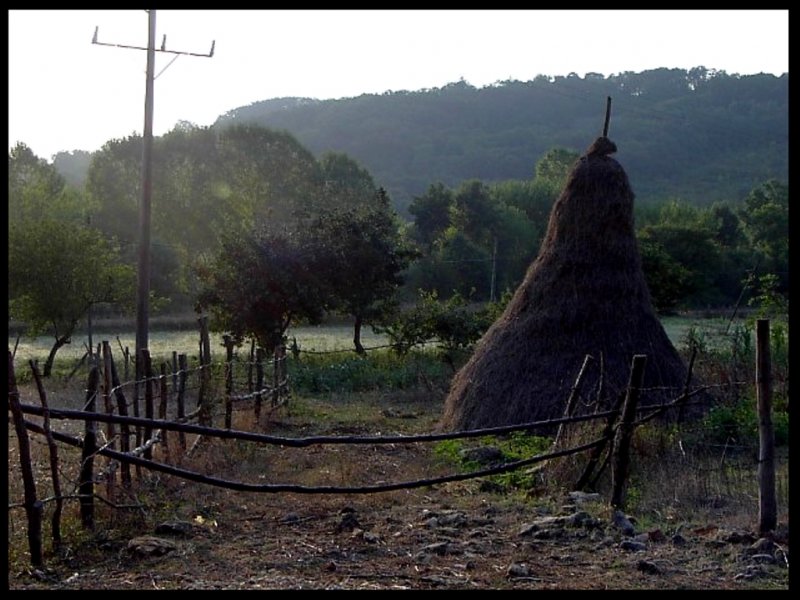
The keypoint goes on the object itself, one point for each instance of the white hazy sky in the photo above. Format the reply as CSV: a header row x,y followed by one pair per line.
x,y
66,93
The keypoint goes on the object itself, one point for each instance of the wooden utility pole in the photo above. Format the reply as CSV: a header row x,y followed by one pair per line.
x,y
143,270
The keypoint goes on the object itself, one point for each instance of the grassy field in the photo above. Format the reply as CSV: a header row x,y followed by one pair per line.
x,y
315,339
163,343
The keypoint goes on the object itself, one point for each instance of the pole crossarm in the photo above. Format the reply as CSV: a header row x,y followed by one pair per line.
x,y
162,49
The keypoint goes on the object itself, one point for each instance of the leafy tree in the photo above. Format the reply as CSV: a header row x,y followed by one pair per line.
x,y
36,189
534,198
73,166
57,271
258,285
700,259
464,266
555,166
669,281
726,225
453,324
268,173
114,184
765,217
346,184
475,213
361,256
205,182
431,212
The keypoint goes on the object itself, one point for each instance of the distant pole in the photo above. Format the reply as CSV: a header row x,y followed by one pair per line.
x,y
608,116
143,272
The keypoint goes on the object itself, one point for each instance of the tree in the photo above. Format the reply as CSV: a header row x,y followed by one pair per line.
x,y
475,212
554,167
361,255
73,166
258,285
452,323
765,217
431,212
57,271
346,184
667,280
686,261
36,189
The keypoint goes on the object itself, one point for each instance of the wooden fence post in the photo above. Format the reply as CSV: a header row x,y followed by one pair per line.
x,y
597,451
573,397
110,428
162,409
228,380
622,444
147,372
182,365
275,378
137,390
250,366
259,381
204,416
33,506
122,409
767,503
86,485
174,371
55,523
284,372
126,366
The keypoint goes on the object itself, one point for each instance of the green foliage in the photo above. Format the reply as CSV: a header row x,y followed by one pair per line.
x,y
431,212
360,256
765,218
347,185
738,423
667,279
453,325
555,166
378,369
676,141
768,300
258,285
36,190
515,446
772,304
57,271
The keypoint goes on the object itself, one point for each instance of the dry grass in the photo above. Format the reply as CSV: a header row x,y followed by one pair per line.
x,y
250,541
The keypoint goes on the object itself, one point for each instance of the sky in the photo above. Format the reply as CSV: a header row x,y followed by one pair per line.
x,y
66,93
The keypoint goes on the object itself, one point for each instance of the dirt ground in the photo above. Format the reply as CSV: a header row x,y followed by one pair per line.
x,y
461,535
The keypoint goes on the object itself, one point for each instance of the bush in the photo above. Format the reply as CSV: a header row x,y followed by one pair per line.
x,y
379,369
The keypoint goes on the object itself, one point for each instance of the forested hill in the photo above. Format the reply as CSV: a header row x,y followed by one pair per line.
x,y
699,135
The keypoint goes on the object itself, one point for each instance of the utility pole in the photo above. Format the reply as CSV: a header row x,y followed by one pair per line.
x,y
143,269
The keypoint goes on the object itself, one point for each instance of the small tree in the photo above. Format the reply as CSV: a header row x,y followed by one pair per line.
x,y
360,255
56,272
258,285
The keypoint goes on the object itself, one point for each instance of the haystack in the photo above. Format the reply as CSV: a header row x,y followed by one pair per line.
x,y
585,293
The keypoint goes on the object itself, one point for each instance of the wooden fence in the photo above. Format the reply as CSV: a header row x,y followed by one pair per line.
x,y
149,432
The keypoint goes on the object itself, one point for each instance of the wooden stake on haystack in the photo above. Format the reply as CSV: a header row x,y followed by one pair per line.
x,y
608,116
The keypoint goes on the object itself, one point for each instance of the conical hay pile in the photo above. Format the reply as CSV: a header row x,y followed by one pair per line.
x,y
584,294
